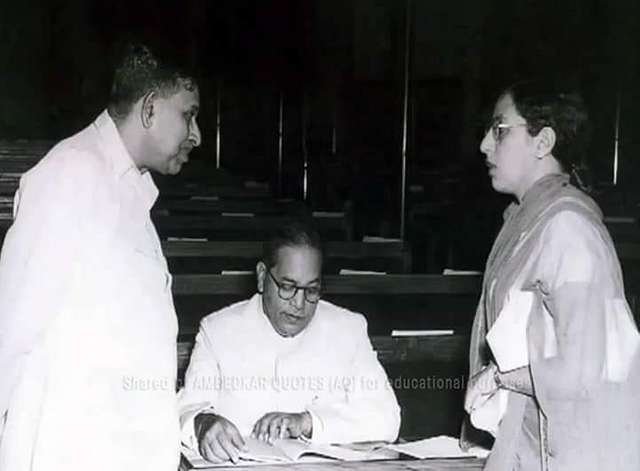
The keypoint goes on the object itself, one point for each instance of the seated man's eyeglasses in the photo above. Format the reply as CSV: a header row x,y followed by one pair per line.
x,y
287,291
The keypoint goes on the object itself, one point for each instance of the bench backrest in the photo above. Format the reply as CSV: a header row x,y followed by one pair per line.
x,y
214,257
390,302
242,227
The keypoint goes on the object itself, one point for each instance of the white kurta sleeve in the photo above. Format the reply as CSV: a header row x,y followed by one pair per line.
x,y
370,411
40,254
201,386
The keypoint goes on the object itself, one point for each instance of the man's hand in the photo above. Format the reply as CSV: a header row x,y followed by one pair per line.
x,y
481,387
218,439
276,425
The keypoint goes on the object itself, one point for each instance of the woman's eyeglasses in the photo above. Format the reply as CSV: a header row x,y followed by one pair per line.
x,y
499,130
287,291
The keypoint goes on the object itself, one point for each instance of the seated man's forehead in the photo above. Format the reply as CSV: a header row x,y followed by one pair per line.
x,y
300,263
298,252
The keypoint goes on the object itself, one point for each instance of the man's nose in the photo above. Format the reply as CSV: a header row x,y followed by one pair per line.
x,y
298,300
194,134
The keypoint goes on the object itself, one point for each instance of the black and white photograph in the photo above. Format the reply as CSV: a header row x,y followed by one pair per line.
x,y
320,235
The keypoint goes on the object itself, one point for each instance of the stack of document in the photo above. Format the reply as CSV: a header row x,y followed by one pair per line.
x,y
291,450
441,446
297,451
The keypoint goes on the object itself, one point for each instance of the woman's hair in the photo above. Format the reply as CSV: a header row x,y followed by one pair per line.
x,y
543,103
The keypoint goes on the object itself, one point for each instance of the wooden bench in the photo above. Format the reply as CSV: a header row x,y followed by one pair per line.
x,y
222,205
242,227
200,178
388,301
203,189
213,257
16,157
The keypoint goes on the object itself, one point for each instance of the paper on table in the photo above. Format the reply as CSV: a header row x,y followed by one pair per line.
x,y
187,239
441,446
376,239
348,271
291,450
256,456
205,198
451,271
238,215
421,333
327,214
196,461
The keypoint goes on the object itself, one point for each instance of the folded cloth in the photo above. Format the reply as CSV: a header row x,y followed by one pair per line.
x,y
487,411
622,340
507,338
508,335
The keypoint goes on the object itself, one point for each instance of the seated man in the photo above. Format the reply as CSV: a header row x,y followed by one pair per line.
x,y
285,363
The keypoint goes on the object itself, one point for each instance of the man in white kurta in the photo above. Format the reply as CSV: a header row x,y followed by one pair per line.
x,y
87,322
263,363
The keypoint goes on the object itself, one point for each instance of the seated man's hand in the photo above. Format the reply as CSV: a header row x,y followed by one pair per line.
x,y
481,387
282,425
218,439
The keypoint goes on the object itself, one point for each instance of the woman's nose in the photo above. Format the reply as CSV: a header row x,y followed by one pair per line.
x,y
487,144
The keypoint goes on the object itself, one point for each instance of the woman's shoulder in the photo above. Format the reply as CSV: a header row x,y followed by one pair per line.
x,y
571,223
574,247
570,198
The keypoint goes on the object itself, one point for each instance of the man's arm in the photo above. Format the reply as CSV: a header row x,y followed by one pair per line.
x,y
40,255
201,386
274,425
218,438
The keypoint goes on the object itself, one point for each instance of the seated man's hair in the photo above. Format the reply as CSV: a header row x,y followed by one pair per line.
x,y
141,71
299,233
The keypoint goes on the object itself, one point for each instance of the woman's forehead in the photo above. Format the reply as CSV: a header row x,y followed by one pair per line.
x,y
505,108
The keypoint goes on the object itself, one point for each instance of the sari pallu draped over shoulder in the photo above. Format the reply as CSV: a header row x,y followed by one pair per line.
x,y
582,429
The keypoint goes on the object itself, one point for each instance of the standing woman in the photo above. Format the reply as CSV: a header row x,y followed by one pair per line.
x,y
554,348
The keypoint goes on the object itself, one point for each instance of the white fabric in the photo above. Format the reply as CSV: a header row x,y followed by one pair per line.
x,y
241,369
622,341
87,325
508,335
487,412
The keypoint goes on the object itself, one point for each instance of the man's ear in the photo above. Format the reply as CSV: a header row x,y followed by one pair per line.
x,y
147,111
545,142
261,272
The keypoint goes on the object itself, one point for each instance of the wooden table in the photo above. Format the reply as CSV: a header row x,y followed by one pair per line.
x,y
467,464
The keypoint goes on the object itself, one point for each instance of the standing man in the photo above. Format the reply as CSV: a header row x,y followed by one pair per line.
x,y
87,322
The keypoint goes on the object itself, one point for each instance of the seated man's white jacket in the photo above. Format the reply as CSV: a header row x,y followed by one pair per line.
x,y
241,368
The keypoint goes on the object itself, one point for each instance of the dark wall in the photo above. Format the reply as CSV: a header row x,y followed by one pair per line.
x,y
339,67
